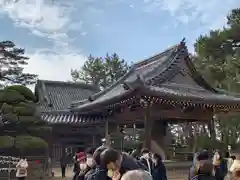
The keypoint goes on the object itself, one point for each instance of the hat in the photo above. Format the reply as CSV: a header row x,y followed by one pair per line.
x,y
81,156
235,165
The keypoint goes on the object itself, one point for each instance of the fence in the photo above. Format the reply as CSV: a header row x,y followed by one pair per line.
x,y
37,167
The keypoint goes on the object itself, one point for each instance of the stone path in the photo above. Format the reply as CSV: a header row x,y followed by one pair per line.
x,y
172,175
57,172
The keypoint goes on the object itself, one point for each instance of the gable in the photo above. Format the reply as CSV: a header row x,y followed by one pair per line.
x,y
184,76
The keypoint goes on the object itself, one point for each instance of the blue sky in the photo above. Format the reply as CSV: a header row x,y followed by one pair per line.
x,y
58,35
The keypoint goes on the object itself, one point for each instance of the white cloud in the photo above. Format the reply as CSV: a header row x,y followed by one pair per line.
x,y
50,20
40,15
84,33
54,66
208,13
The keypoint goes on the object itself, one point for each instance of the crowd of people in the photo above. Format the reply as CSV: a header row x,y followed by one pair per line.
x,y
106,163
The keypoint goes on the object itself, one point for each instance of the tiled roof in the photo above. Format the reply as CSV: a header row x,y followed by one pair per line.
x,y
55,95
165,74
64,117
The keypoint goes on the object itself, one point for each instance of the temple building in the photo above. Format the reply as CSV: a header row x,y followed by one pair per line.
x,y
165,88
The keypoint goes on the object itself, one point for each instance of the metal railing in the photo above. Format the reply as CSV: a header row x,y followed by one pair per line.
x,y
37,167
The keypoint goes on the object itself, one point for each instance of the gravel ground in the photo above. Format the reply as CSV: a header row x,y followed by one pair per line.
x,y
172,175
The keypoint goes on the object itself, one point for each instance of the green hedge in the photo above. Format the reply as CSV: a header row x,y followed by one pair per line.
x,y
12,118
24,109
23,90
27,119
24,143
11,97
6,142
6,108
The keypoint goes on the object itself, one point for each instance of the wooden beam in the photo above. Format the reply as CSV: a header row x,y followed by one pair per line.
x,y
81,132
157,113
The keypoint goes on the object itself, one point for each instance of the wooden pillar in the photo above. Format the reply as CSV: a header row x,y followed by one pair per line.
x,y
148,121
212,129
107,137
158,135
94,140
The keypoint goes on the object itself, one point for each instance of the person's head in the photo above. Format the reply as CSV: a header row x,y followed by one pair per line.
x,y
233,157
111,159
90,160
205,167
136,174
156,158
22,157
89,151
81,157
203,155
97,155
217,153
145,153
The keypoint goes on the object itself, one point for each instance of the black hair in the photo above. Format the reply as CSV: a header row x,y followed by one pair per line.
x,y
233,157
144,150
22,157
156,156
227,154
204,155
90,150
97,154
109,155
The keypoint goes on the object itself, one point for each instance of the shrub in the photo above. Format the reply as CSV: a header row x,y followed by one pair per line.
x,y
23,90
11,118
25,143
24,109
6,108
11,97
6,142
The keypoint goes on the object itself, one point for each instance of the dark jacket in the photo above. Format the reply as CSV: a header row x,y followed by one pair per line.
x,y
159,172
89,174
144,162
97,173
64,161
82,174
128,164
203,177
76,167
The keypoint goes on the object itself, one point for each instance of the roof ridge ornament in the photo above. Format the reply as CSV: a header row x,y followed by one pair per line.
x,y
183,41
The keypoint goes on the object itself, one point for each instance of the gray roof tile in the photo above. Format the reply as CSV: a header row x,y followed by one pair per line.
x,y
55,95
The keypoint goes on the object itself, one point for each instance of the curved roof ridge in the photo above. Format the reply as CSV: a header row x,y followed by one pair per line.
x,y
154,57
198,77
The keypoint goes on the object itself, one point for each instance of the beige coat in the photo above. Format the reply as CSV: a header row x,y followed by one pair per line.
x,y
22,166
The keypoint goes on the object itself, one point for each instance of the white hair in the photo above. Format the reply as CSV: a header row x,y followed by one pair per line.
x,y
136,174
